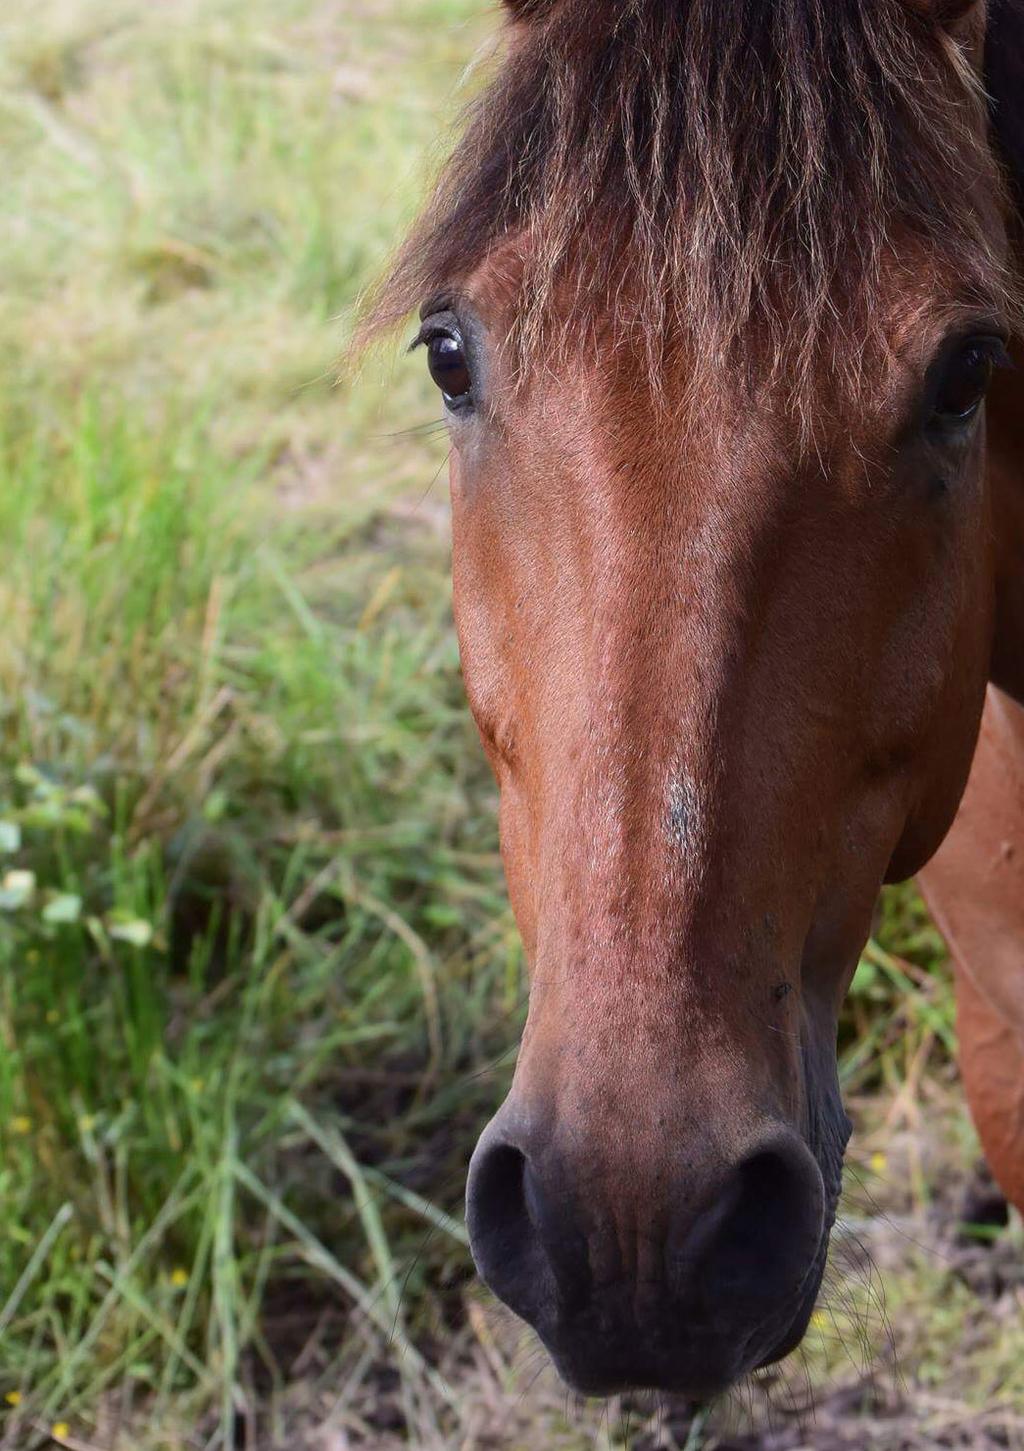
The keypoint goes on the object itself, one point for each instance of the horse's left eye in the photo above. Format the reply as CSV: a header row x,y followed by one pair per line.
x,y
964,381
446,360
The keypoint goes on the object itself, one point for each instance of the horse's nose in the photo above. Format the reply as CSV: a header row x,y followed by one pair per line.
x,y
726,1289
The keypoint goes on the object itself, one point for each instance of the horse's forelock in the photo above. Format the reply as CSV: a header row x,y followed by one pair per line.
x,y
722,168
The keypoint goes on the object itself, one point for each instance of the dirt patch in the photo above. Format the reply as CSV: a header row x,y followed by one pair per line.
x,y
852,1419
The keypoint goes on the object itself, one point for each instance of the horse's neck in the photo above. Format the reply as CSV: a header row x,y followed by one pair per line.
x,y
1006,468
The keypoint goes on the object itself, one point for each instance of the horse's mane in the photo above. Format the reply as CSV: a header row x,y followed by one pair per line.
x,y
712,165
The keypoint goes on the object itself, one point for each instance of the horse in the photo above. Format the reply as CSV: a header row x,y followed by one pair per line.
x,y
721,298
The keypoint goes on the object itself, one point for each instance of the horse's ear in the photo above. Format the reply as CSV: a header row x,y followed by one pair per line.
x,y
1004,82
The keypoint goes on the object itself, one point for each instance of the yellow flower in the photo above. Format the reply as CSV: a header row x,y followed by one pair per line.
x,y
820,1320
879,1163
60,1430
13,1398
21,1124
87,1123
179,1278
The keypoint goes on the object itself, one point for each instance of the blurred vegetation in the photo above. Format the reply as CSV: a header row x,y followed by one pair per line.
x,y
259,985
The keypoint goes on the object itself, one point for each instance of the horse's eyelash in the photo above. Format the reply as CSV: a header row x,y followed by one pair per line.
x,y
427,333
1001,355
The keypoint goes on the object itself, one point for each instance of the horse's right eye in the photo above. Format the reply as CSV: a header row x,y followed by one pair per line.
x,y
449,368
961,388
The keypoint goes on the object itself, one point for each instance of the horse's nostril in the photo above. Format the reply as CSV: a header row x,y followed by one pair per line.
x,y
497,1188
507,1249
753,1249
525,1243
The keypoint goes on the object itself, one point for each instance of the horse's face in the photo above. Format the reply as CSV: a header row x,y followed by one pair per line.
x,y
727,685
725,640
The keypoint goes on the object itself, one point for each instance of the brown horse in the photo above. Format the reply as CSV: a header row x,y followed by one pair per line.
x,y
714,291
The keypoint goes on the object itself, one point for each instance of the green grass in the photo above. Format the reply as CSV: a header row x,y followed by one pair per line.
x,y
258,979
235,760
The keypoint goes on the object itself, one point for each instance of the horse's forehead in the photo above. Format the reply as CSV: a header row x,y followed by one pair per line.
x,y
607,366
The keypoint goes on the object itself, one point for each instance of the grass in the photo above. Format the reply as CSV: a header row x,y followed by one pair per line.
x,y
259,985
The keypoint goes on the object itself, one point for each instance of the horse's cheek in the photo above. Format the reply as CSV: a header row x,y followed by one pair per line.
x,y
517,860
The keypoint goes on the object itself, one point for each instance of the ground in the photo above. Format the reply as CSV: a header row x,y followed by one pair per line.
x,y
259,985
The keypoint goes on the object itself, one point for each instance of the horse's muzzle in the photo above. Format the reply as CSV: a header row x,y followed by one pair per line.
x,y
703,1297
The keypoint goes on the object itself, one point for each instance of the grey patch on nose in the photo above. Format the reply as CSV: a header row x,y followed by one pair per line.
x,y
682,813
